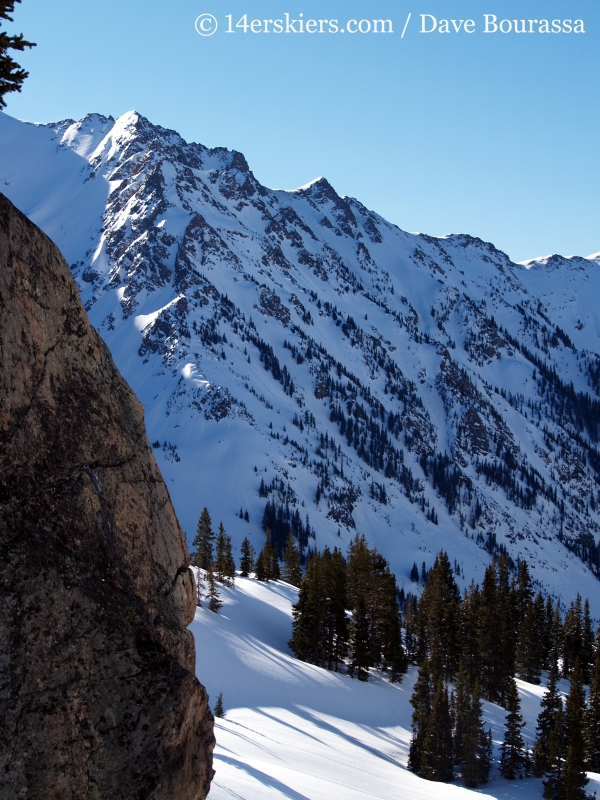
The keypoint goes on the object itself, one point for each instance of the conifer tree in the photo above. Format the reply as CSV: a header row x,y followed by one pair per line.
x,y
267,565
522,593
438,619
436,758
219,710
512,759
554,783
214,598
489,640
393,657
575,777
546,721
306,616
336,625
469,634
320,628
587,649
292,572
592,721
477,745
247,558
203,557
199,587
529,648
12,75
224,563
359,639
461,707
572,636
421,700
410,628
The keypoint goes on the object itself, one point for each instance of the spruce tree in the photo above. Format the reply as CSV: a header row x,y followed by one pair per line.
x,y
306,618
12,75
477,744
420,700
469,633
546,721
359,639
219,710
292,572
214,598
554,783
199,587
512,759
439,619
592,721
572,636
461,708
393,657
224,563
336,629
436,758
489,640
203,556
575,777
529,648
267,565
587,649
247,558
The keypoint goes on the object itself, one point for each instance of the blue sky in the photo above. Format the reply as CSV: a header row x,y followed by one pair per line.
x,y
497,135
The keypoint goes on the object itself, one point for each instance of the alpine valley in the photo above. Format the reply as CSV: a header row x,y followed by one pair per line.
x,y
305,364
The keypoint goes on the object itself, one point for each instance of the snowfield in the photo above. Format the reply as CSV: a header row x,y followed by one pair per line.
x,y
294,730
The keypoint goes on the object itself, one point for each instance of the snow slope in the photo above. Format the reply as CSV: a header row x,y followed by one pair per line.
x,y
293,730
197,277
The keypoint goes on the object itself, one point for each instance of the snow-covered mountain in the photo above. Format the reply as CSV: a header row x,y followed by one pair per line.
x,y
293,347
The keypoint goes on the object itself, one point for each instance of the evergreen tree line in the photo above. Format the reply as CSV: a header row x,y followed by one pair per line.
x,y
496,630
361,583
478,642
213,555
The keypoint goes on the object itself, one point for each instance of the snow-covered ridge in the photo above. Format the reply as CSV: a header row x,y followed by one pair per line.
x,y
423,390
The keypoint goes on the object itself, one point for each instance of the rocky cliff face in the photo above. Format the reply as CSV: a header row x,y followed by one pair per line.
x,y
98,697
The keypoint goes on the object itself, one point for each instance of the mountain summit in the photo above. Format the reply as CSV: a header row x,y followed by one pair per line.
x,y
304,360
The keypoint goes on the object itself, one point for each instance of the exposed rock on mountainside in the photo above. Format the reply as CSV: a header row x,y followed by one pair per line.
x,y
98,697
302,359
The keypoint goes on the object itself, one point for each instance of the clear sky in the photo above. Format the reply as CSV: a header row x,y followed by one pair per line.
x,y
496,134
